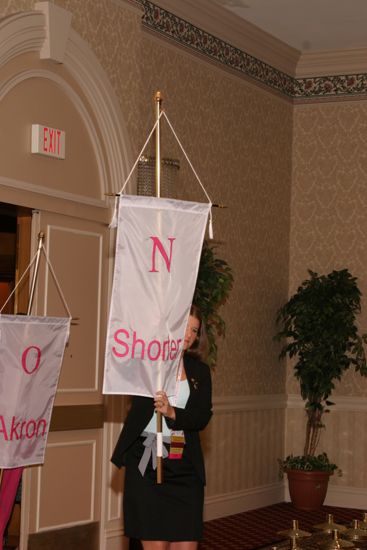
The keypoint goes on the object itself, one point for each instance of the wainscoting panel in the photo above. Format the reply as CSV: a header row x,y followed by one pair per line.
x,y
114,532
242,444
116,412
82,537
344,440
64,490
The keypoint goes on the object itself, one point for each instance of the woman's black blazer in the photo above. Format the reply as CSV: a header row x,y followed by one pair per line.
x,y
193,418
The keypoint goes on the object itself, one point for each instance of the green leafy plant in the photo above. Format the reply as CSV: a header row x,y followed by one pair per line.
x,y
319,323
214,283
307,463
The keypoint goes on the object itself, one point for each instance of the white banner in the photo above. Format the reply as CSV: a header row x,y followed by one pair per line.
x,y
158,251
31,352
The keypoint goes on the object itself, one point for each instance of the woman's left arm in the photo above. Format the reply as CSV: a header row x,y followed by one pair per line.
x,y
198,410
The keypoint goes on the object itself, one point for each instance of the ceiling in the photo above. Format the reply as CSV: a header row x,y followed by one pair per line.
x,y
307,25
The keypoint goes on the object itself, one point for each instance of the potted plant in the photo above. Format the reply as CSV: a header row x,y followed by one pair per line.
x,y
319,325
214,283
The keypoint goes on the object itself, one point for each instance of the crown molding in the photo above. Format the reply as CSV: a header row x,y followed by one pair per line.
x,y
186,35
237,32
332,62
223,24
248,52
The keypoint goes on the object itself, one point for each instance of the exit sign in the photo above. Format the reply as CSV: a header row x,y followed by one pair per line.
x,y
48,141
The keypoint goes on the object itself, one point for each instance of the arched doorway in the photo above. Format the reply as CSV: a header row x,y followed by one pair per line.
x,y
64,502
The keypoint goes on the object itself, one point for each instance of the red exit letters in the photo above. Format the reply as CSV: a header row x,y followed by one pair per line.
x,y
48,141
51,140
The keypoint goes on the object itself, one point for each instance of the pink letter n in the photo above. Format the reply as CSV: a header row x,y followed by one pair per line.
x,y
158,244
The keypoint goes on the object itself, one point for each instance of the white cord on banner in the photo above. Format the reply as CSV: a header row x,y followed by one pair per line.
x,y
53,275
196,175
20,280
139,155
210,230
56,282
187,158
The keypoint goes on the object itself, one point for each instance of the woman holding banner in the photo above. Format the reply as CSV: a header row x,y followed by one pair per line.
x,y
168,516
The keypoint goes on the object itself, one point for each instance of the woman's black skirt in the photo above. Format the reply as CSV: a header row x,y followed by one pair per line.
x,y
171,511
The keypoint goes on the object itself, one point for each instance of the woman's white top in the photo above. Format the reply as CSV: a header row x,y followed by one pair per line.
x,y
182,397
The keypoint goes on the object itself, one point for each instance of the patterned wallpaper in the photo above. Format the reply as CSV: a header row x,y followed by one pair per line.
x,y
240,138
293,179
328,220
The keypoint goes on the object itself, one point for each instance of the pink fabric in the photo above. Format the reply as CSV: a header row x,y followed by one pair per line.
x,y
8,491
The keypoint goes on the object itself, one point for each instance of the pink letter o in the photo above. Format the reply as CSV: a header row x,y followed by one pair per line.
x,y
151,344
24,359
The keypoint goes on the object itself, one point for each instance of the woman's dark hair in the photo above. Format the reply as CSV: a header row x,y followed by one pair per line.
x,y
199,348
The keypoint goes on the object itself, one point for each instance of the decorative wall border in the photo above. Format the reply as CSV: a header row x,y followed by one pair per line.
x,y
330,86
186,34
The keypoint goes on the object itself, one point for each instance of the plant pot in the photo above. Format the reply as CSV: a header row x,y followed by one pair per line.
x,y
307,489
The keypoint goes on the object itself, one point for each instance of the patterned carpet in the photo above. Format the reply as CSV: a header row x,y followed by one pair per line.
x,y
258,528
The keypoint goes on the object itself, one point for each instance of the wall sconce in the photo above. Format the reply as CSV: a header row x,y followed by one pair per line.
x,y
146,177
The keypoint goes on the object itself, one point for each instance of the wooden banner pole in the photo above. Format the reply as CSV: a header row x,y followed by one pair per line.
x,y
158,106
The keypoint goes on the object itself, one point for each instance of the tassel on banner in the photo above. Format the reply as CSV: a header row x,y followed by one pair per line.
x,y
114,221
210,229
